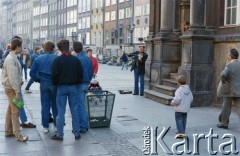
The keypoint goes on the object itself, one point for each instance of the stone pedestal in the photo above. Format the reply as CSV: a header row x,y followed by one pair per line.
x,y
148,64
197,66
166,58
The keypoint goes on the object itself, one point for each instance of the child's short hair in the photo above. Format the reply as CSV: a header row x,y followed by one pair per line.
x,y
181,80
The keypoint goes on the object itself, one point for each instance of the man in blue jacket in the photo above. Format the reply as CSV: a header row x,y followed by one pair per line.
x,y
41,71
87,76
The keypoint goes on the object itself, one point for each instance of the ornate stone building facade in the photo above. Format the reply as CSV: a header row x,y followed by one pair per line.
x,y
198,53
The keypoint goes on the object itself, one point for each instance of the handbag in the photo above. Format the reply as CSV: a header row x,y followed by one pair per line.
x,y
18,103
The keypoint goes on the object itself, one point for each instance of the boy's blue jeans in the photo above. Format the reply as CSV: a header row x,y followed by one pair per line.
x,y
48,99
72,94
181,120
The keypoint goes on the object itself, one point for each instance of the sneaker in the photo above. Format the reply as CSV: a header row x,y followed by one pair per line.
x,y
22,138
180,135
78,137
28,125
55,137
45,130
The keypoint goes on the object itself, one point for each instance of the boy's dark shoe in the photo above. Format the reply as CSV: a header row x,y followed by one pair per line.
x,y
55,137
78,137
28,125
222,126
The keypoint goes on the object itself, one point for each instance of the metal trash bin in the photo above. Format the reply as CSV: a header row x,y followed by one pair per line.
x,y
99,105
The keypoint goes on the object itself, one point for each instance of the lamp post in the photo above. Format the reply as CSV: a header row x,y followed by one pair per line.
x,y
131,29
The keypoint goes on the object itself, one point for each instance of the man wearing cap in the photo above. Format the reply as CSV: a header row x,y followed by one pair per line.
x,y
231,76
139,59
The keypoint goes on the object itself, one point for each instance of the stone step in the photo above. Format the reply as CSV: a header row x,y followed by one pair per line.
x,y
170,82
173,76
165,89
159,97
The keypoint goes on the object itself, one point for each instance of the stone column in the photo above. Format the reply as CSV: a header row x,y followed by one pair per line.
x,y
185,12
197,12
152,18
157,15
197,56
167,16
210,16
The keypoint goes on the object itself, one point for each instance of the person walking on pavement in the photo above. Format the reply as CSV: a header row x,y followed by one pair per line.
x,y
138,65
230,76
25,58
34,56
87,76
124,60
12,82
67,74
94,61
41,71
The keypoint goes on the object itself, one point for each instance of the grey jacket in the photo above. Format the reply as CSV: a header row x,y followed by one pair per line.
x,y
12,73
231,75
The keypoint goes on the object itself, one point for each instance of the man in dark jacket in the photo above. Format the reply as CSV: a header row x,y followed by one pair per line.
x,y
138,65
34,56
67,74
124,60
87,76
25,58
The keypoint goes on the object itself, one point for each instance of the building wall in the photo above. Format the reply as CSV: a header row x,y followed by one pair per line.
x,y
141,21
97,18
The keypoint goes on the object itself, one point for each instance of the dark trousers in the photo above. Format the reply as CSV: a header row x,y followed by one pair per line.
x,y
181,120
30,82
25,71
226,109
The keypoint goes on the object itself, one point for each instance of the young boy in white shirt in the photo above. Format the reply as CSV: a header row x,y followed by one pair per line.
x,y
182,102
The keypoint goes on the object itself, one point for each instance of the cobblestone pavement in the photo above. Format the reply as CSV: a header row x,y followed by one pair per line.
x,y
125,136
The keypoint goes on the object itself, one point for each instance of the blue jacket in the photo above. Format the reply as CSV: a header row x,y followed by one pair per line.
x,y
41,69
34,56
87,66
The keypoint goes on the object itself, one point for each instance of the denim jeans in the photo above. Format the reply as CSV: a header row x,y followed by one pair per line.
x,y
136,82
31,81
83,113
125,64
181,120
48,99
25,71
22,113
72,94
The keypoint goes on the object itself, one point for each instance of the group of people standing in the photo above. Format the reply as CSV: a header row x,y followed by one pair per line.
x,y
61,78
